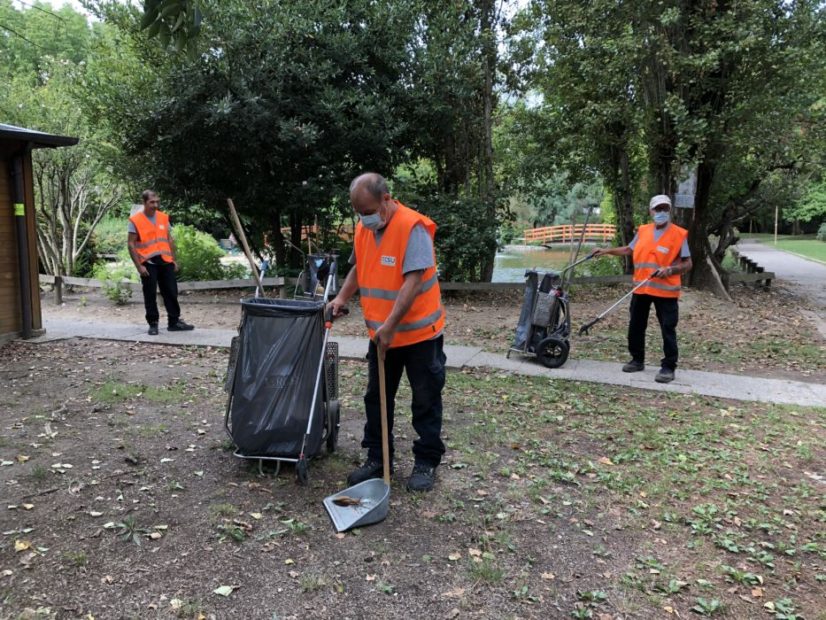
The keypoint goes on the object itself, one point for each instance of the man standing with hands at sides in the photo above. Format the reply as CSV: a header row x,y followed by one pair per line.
x,y
660,254
152,249
394,271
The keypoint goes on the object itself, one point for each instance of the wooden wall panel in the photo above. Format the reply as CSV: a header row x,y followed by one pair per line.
x,y
31,223
10,320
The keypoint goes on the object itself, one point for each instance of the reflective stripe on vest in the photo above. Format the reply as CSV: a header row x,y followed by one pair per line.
x,y
381,293
650,255
153,239
380,277
408,327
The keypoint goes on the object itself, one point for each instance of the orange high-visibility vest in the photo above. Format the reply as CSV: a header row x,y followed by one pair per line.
x,y
153,239
650,255
380,277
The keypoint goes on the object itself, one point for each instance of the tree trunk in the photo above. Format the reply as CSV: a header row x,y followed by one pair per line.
x,y
706,273
295,237
278,238
486,179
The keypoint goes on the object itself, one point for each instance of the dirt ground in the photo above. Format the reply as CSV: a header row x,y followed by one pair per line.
x,y
121,498
762,333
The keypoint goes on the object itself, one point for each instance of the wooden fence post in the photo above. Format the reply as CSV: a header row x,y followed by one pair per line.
x,y
57,289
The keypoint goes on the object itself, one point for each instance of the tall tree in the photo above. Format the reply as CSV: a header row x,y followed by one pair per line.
x,y
73,188
588,79
286,102
707,85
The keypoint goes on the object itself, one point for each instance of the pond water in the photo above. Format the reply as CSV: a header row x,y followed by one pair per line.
x,y
512,262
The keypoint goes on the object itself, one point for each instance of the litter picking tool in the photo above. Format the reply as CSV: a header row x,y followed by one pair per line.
x,y
233,214
367,502
584,329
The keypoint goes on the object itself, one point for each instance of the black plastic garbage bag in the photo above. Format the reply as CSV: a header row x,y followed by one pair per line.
x,y
279,350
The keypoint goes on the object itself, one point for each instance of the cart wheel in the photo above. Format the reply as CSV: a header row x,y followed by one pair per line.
x,y
553,352
302,471
333,415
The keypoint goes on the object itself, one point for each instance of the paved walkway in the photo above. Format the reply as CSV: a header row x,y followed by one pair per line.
x,y
736,387
805,277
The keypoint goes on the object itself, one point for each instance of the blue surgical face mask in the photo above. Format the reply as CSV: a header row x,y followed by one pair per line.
x,y
372,221
661,217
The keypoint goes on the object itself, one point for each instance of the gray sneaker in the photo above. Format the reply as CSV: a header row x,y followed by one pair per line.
x,y
633,366
666,375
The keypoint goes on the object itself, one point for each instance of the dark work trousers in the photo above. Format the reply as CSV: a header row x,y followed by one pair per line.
x,y
425,366
160,277
667,314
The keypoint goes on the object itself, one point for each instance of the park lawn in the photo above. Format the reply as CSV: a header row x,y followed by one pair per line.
x,y
808,248
556,499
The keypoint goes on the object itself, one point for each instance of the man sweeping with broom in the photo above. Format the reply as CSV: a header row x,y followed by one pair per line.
x,y
394,271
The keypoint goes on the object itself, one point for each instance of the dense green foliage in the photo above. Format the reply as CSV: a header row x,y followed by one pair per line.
x,y
642,92
115,281
489,117
199,256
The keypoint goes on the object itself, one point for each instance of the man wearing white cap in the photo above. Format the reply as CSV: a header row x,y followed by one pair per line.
x,y
660,254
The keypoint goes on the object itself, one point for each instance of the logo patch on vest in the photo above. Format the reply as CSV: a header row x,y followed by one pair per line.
x,y
388,261
161,226
662,250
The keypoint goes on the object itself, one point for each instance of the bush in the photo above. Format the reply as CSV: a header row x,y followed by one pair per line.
x,y
198,254
110,236
115,281
821,232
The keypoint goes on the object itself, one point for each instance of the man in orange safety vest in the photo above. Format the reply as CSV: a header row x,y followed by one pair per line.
x,y
661,255
152,249
394,272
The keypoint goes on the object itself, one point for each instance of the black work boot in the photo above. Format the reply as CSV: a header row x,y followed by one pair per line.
x,y
422,478
153,329
633,366
180,326
370,469
666,375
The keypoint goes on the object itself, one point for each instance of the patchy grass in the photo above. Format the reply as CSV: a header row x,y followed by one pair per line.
x,y
555,499
117,392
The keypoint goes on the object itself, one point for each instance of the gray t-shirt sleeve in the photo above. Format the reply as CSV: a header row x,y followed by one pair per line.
x,y
419,252
352,260
633,242
130,227
684,251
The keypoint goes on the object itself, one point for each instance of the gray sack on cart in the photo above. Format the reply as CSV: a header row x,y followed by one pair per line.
x,y
279,350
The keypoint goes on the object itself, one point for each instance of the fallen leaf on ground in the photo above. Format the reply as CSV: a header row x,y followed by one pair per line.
x,y
22,458
453,557
605,460
548,576
454,593
757,592
22,545
27,506
225,590
344,500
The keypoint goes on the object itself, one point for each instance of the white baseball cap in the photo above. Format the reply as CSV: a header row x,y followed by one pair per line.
x,y
660,199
